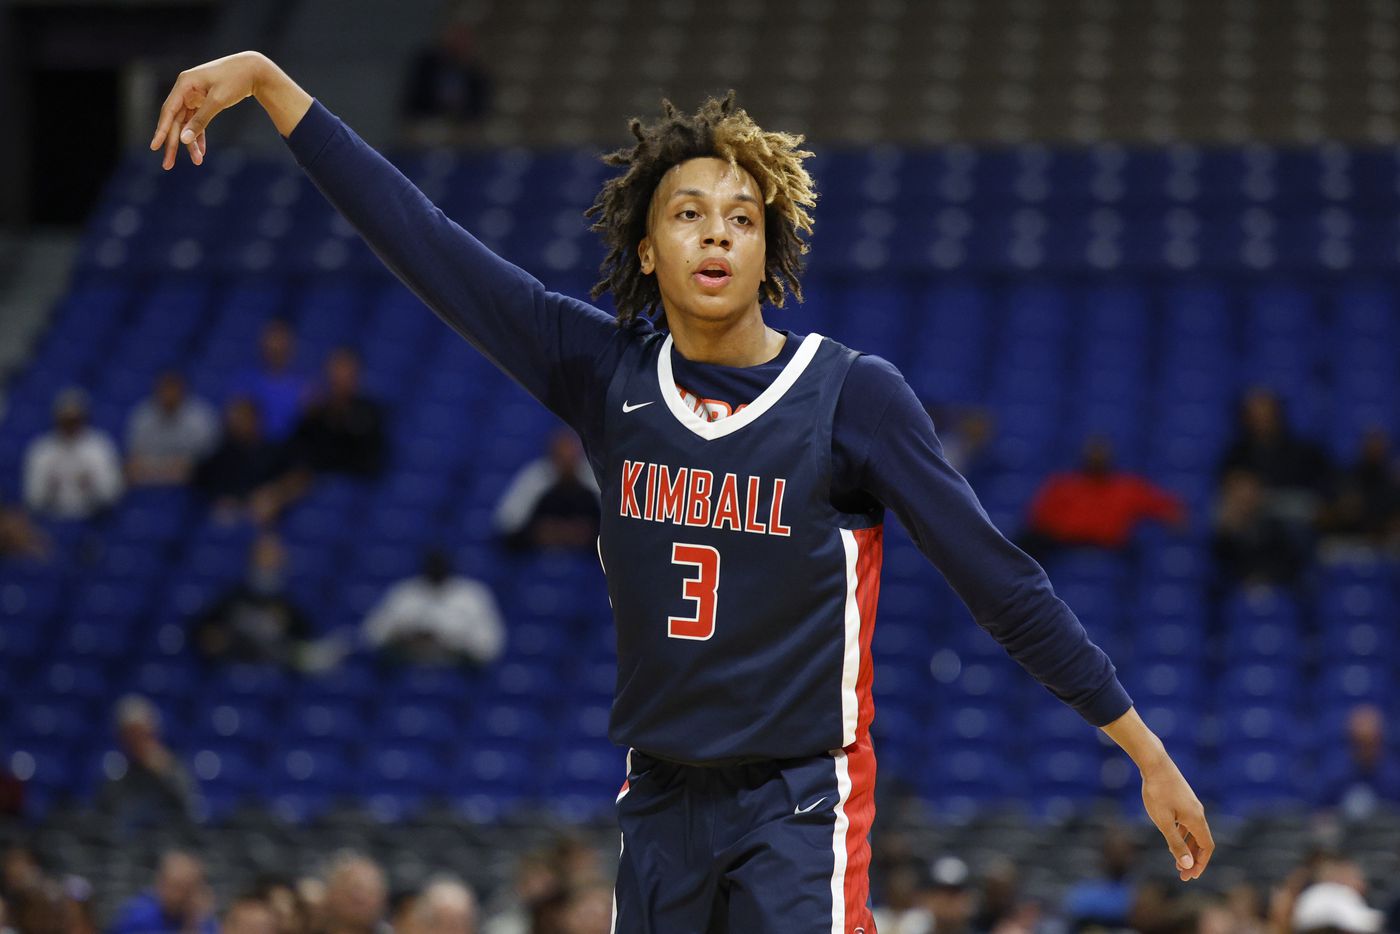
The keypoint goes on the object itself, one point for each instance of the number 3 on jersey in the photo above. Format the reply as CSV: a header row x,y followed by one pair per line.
x,y
701,588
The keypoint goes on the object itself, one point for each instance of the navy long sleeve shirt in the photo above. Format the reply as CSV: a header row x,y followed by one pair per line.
x,y
886,453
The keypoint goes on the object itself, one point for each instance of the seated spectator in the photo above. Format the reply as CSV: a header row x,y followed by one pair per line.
x,y
168,433
154,789
279,391
356,895
248,474
1365,504
255,620
280,894
1105,902
1330,907
1294,471
343,429
1251,546
966,433
72,472
947,896
901,910
1096,505
552,503
1367,776
249,915
21,538
448,92
179,903
446,906
437,618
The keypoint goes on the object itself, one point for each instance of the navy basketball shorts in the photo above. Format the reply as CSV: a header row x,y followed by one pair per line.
x,y
778,847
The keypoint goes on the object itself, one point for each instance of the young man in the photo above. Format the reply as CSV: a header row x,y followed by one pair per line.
x,y
745,472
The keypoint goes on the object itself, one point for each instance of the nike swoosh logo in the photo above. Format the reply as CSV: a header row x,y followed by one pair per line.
x,y
633,408
808,807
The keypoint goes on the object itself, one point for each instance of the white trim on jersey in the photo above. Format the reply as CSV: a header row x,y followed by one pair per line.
x,y
732,423
838,843
850,659
621,844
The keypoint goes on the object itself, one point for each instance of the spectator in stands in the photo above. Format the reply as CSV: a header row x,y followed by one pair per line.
x,y
356,895
179,903
901,910
249,915
21,538
1107,900
19,869
342,431
587,910
281,896
168,433
448,91
1251,546
1365,503
154,789
437,618
279,390
52,906
1096,505
1327,907
1294,471
1368,775
947,896
966,433
536,879
249,475
552,503
72,472
445,906
1000,907
256,620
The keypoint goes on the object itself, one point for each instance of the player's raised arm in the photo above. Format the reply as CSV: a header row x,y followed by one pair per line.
x,y
549,343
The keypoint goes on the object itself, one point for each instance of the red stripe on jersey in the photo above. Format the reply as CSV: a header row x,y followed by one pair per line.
x,y
860,812
870,545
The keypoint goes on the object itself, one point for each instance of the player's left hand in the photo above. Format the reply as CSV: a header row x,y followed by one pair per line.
x,y
1178,814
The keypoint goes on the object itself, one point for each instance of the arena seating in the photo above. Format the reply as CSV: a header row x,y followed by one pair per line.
x,y
1126,292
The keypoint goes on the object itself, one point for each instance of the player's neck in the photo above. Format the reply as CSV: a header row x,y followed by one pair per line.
x,y
743,341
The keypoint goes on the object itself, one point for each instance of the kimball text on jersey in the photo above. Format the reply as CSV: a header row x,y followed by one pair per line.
x,y
691,496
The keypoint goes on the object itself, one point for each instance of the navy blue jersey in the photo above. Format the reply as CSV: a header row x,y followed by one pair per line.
x,y
744,600
881,451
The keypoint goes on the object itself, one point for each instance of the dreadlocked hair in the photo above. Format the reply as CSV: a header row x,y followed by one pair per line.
x,y
718,129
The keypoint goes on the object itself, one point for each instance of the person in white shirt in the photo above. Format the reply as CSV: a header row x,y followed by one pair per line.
x,y
437,618
168,433
72,472
552,502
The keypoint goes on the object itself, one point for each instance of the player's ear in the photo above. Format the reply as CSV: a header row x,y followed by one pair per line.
x,y
644,253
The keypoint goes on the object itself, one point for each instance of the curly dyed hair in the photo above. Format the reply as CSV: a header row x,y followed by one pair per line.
x,y
717,129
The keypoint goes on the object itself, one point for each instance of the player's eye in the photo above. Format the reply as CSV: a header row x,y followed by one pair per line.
x,y
689,211
744,219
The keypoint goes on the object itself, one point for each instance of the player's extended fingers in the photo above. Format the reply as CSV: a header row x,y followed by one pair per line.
x,y
172,139
1200,837
1175,835
174,102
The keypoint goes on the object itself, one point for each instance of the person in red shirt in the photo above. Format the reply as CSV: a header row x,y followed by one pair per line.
x,y
1096,505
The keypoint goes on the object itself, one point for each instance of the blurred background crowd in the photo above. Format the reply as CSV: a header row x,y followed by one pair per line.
x,y
301,627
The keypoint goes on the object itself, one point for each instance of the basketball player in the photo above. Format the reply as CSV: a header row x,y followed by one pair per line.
x,y
745,471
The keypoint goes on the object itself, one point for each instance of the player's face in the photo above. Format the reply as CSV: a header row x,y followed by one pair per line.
x,y
705,240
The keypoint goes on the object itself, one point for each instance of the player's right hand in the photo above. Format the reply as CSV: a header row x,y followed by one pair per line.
x,y
198,96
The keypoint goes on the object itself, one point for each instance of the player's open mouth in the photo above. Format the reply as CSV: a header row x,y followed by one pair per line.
x,y
713,274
